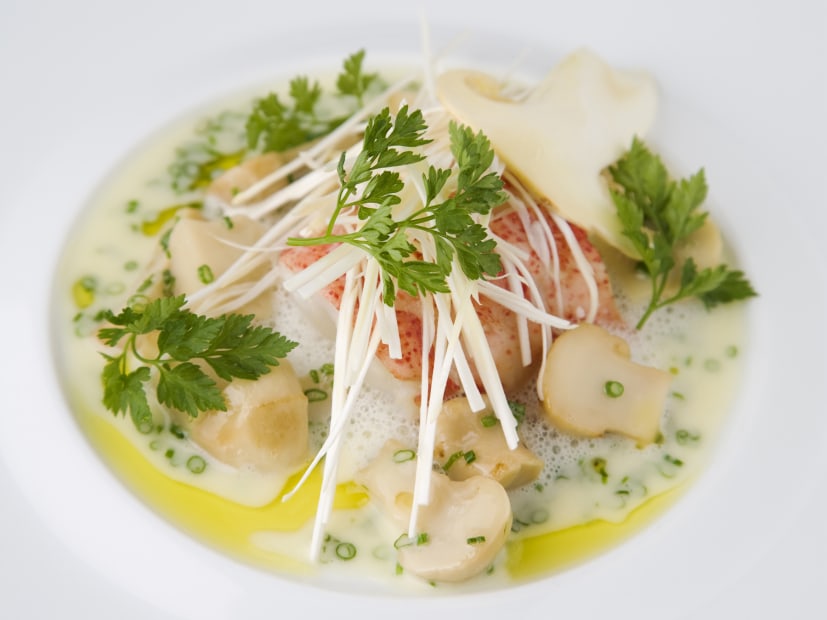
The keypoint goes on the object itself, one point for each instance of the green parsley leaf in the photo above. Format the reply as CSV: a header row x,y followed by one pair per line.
x,y
656,214
228,344
390,142
277,124
353,81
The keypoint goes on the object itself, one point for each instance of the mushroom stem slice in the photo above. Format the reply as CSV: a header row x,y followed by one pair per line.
x,y
591,387
472,443
462,528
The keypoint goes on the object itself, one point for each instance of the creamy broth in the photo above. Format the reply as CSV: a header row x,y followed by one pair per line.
x,y
592,494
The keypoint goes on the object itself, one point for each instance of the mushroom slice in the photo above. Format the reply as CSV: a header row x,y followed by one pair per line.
x,y
245,175
578,120
463,528
201,250
264,427
470,444
590,386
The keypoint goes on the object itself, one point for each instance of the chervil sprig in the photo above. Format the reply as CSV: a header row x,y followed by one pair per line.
x,y
278,125
229,345
371,187
658,213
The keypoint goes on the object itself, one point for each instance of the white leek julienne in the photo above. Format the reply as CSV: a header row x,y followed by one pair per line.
x,y
452,334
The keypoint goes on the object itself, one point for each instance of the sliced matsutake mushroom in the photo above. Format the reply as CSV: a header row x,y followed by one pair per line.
x,y
264,427
590,386
201,250
578,120
463,527
472,443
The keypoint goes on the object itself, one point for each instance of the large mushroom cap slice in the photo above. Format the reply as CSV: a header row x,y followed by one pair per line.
x,y
580,119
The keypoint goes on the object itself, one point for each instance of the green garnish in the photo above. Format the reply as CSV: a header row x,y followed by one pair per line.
x,y
403,455
475,540
406,541
345,551
517,410
276,125
489,420
599,466
205,274
613,389
315,395
228,344
196,464
656,214
684,437
387,144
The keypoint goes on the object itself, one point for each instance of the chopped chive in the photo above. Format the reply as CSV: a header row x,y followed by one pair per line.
x,y
132,206
470,456
613,389
169,283
205,274
398,569
169,453
451,460
712,365
228,222
176,430
196,464
683,437
164,242
475,540
314,375
422,538
145,284
731,351
599,465
130,265
314,395
404,455
488,420
672,460
403,541
517,410
345,551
